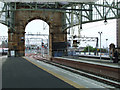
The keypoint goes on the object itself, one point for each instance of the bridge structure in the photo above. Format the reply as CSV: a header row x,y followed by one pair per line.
x,y
60,16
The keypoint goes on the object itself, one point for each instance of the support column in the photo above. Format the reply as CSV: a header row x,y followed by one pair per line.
x,y
12,44
118,34
118,29
20,50
16,43
57,41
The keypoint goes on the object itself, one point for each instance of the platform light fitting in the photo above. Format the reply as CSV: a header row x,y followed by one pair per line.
x,y
105,22
8,16
80,26
100,32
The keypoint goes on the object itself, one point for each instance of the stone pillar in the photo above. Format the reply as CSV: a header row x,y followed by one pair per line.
x,y
16,42
21,44
12,44
57,40
10,41
54,20
20,40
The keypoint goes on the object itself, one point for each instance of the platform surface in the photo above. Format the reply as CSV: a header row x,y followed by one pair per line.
x,y
19,73
33,74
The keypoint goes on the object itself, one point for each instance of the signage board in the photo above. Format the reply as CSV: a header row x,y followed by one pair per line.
x,y
12,53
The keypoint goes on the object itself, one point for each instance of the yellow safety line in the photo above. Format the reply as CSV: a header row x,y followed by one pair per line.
x,y
58,76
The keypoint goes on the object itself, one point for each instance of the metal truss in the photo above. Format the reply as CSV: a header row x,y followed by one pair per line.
x,y
84,39
3,38
27,39
89,39
33,40
75,13
36,34
100,10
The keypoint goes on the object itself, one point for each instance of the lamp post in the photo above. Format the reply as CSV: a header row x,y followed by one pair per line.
x,y
2,46
100,43
88,50
9,29
106,47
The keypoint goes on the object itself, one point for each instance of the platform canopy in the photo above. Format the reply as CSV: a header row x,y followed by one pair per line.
x,y
48,0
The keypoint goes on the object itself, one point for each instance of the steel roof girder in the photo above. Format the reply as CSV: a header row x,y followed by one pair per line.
x,y
98,11
111,10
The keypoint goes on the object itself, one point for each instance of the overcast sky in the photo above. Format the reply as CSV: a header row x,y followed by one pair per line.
x,y
108,31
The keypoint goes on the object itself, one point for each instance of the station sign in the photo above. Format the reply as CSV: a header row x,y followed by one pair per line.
x,y
63,1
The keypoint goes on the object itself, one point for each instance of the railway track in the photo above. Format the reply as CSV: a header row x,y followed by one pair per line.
x,y
99,78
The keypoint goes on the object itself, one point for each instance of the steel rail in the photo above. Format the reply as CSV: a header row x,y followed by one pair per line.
x,y
98,78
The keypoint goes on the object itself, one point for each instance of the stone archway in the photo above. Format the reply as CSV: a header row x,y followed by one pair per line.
x,y
22,18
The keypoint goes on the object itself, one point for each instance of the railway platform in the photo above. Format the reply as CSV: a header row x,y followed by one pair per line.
x,y
26,72
17,72
92,60
106,69
96,66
